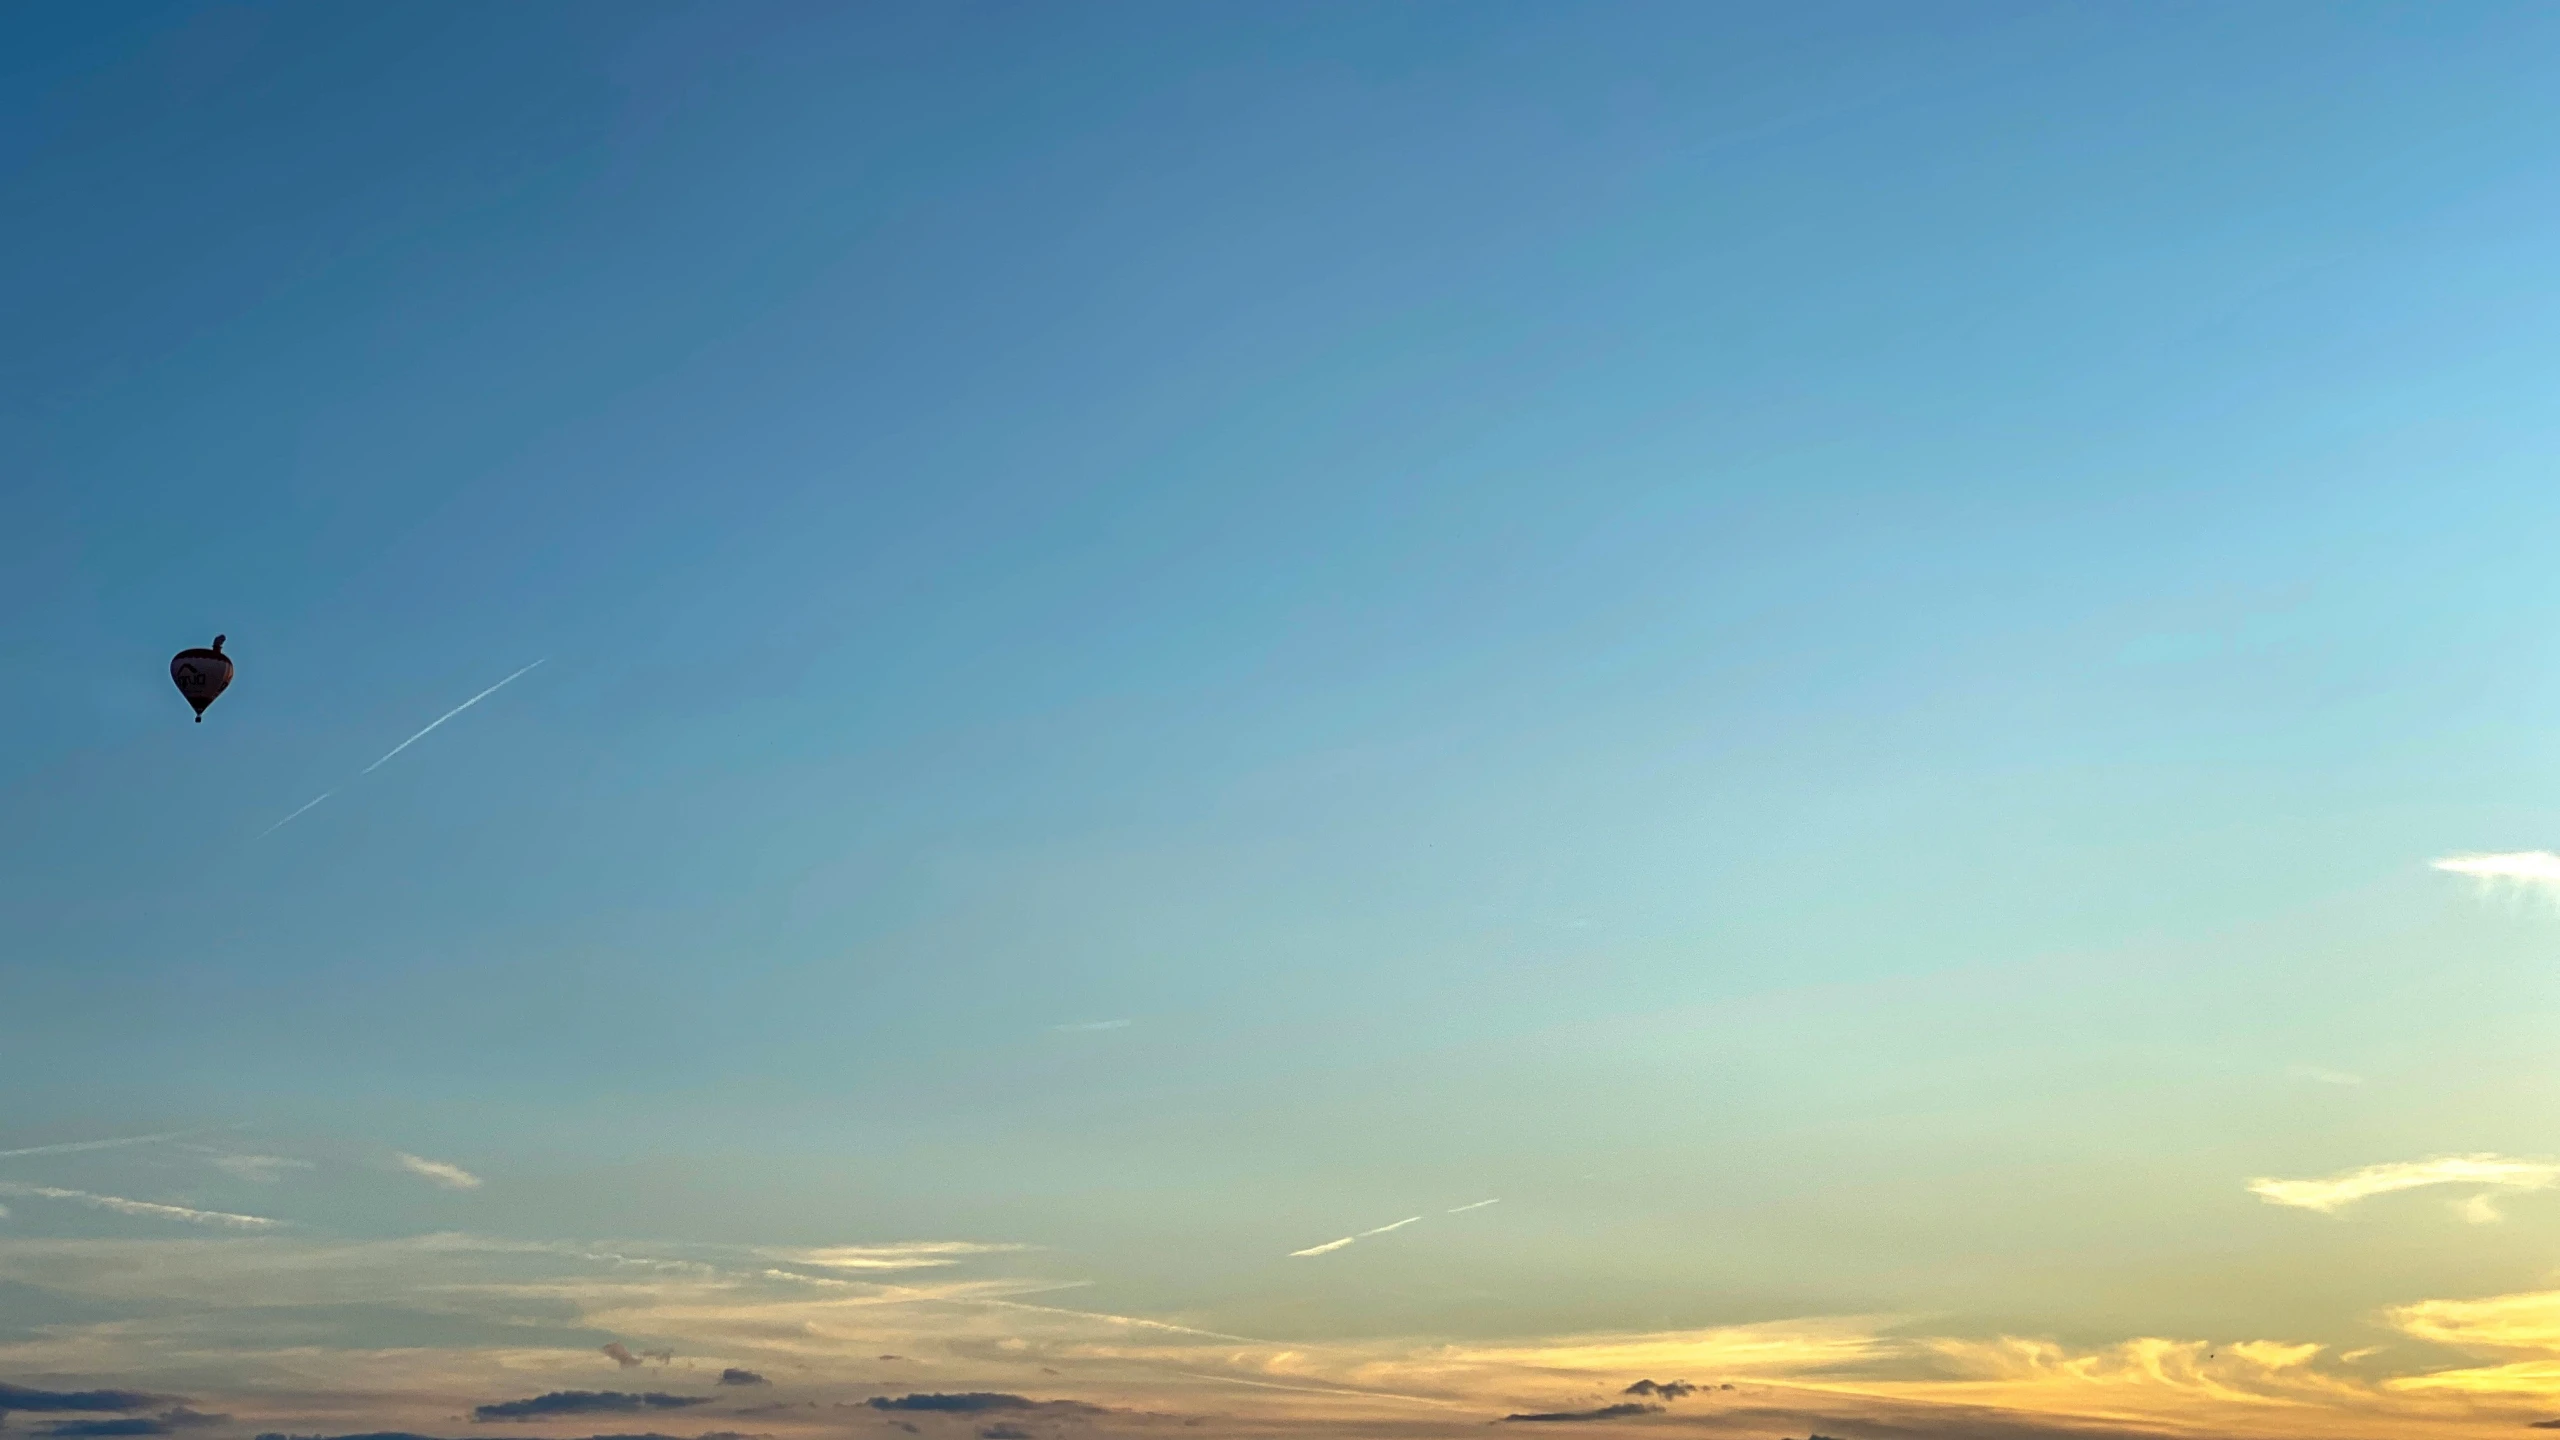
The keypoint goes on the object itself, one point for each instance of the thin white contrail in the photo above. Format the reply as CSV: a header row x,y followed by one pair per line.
x,y
66,1147
1383,1229
1463,1209
296,815
153,1209
449,714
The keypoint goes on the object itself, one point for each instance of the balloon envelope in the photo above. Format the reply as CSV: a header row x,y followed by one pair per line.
x,y
201,675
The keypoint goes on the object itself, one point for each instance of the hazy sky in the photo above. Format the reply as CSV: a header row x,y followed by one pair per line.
x,y
1858,658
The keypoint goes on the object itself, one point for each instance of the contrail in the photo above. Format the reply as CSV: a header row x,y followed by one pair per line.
x,y
122,1206
68,1146
289,819
449,714
1383,1229
1463,1209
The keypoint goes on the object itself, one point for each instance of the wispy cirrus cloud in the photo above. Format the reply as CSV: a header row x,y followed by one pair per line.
x,y
978,1402
916,1255
1838,1375
70,1146
146,1208
2521,869
2333,1193
263,1169
1089,1026
451,1177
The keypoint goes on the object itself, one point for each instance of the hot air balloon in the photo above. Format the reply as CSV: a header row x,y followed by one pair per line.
x,y
201,675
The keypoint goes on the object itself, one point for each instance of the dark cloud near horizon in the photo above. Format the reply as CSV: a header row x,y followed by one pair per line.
x,y
735,1376
585,1402
1668,1389
20,1397
979,1402
1605,1412
369,1435
167,1422
1003,1432
412,1435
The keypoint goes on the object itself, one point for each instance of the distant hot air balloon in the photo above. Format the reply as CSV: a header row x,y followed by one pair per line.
x,y
201,675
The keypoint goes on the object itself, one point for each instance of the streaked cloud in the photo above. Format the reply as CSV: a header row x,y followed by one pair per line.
x,y
55,1402
2336,1192
1093,1025
263,1169
167,1422
71,1146
979,1402
918,1255
2527,869
145,1208
978,1337
451,1177
2526,1326
1625,1411
1463,1209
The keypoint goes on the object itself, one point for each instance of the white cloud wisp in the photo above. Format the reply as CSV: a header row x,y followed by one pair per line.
x,y
2519,869
451,1177
2334,1193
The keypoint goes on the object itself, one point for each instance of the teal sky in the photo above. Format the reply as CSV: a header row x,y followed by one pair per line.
x,y
1825,647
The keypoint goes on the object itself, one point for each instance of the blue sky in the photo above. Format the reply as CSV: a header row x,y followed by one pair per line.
x,y
1823,646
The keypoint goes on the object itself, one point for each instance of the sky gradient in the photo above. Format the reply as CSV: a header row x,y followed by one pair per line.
x,y
1288,718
